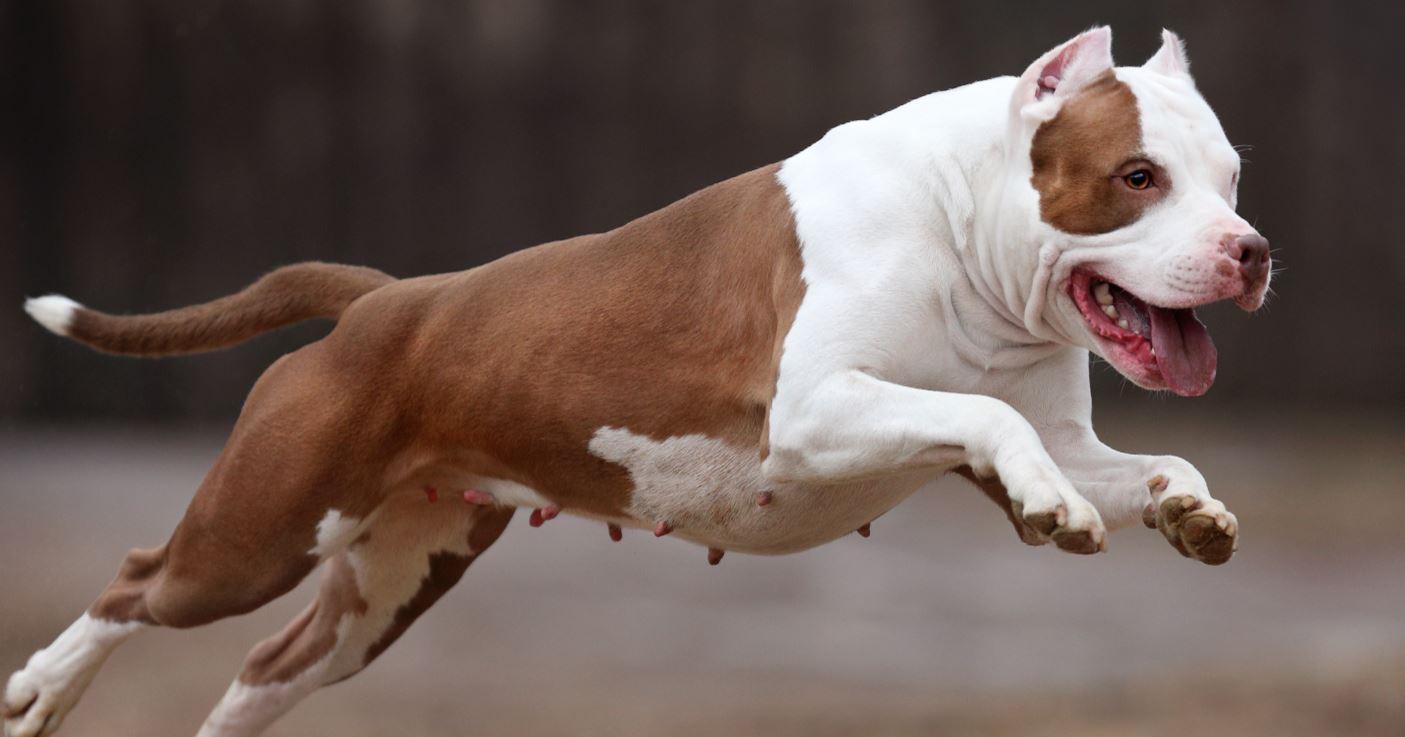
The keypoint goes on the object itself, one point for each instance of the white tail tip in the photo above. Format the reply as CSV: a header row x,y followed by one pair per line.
x,y
55,312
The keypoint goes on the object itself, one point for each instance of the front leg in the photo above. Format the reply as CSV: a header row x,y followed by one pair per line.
x,y
854,425
1165,492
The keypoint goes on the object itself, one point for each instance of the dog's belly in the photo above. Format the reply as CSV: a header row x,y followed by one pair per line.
x,y
709,491
706,489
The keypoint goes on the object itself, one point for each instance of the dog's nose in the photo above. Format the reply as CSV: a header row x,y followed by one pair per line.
x,y
1251,251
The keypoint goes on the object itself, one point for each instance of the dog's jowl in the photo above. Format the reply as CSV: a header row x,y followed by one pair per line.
x,y
764,366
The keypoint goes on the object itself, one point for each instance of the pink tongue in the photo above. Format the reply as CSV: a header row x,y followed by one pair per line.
x,y
1184,351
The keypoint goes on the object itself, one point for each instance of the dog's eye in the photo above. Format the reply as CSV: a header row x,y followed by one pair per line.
x,y
1139,179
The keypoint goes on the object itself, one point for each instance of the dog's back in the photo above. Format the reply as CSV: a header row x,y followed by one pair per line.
x,y
522,360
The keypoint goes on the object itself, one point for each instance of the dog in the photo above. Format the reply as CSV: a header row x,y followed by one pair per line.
x,y
764,366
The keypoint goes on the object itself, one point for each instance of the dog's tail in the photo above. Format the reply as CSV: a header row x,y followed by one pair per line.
x,y
282,297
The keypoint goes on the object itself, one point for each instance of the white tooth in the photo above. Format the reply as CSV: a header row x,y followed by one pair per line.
x,y
1122,323
1110,310
1102,293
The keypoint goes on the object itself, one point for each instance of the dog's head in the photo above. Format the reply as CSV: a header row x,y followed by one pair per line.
x,y
1131,186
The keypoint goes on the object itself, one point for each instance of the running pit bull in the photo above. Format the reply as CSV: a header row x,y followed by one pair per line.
x,y
762,367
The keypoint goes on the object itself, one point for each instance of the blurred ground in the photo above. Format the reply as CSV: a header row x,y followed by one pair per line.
x,y
940,624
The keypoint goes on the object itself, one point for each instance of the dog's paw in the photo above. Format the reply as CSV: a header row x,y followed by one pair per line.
x,y
1078,531
24,715
39,697
1200,528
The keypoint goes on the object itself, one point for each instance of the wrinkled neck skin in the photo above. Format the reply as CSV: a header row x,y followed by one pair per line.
x,y
920,229
998,307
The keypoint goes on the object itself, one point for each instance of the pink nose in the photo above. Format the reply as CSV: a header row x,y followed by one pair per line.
x,y
1251,251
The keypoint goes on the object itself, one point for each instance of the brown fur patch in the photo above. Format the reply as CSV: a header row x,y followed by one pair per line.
x,y
1076,154
298,450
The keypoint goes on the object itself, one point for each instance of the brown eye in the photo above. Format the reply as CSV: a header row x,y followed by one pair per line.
x,y
1139,179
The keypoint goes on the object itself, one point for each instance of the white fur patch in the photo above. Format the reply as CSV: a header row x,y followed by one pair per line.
x,y
682,477
55,312
248,710
707,490
393,563
334,532
55,677
510,493
390,566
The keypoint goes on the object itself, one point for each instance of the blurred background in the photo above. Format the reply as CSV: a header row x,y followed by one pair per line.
x,y
155,154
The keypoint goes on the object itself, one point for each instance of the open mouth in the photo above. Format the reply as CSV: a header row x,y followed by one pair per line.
x,y
1154,346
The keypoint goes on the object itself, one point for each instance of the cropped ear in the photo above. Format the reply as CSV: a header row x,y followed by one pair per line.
x,y
1170,59
1066,68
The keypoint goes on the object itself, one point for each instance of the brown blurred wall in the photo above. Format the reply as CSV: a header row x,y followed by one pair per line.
x,y
156,154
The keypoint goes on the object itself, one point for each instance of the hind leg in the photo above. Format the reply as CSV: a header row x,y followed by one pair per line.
x,y
37,698
411,553
274,504
181,584
163,586
189,581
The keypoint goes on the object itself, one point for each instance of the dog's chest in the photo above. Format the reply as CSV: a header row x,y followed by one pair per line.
x,y
714,493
